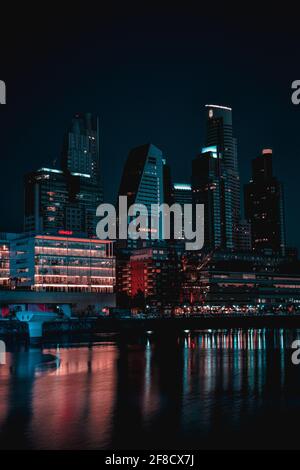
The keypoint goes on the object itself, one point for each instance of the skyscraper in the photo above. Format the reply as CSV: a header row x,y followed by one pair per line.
x,y
67,199
80,153
209,188
46,198
143,183
182,194
264,206
219,133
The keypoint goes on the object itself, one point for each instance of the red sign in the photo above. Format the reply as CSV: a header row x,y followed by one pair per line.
x,y
65,232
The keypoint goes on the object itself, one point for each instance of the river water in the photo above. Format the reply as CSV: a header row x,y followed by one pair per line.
x,y
210,389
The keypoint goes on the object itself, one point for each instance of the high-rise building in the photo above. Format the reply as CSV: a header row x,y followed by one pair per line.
x,y
67,199
182,194
209,188
57,201
219,133
46,198
264,206
80,152
143,183
84,198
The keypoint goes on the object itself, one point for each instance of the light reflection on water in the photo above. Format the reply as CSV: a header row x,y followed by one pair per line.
x,y
209,389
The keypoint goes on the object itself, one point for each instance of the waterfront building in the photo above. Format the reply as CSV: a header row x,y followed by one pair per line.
x,y
226,279
264,206
150,272
63,264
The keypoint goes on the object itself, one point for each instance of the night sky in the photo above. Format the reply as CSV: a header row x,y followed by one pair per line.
x,y
148,75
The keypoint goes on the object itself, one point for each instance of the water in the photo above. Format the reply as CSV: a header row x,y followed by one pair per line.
x,y
203,390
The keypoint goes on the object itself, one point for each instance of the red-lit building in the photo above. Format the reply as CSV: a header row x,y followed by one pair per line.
x,y
153,272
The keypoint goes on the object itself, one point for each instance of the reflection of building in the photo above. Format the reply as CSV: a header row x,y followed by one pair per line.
x,y
66,264
240,279
264,206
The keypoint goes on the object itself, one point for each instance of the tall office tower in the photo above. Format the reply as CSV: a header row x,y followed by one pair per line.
x,y
210,188
220,134
46,197
143,183
84,198
67,199
80,152
57,201
264,206
182,194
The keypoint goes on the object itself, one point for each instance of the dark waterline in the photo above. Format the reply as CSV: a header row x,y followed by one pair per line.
x,y
205,390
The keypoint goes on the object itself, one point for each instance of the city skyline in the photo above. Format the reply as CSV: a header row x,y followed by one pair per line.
x,y
151,90
76,208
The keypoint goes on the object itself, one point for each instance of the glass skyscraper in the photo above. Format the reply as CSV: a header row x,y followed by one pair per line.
x,y
143,183
219,133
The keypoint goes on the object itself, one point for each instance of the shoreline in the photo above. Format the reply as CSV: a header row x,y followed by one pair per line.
x,y
19,330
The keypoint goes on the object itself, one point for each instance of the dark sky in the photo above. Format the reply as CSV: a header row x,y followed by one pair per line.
x,y
148,74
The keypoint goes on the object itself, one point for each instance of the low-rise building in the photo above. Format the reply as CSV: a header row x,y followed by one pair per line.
x,y
227,279
62,264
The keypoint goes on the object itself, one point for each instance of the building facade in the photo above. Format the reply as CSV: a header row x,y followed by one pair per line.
x,y
229,280
152,272
5,255
63,264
